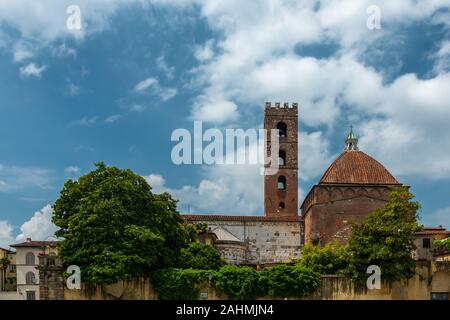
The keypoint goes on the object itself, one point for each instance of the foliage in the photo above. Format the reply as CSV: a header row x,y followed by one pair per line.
x,y
386,238
238,282
331,258
200,256
115,228
194,229
179,284
4,262
289,281
442,244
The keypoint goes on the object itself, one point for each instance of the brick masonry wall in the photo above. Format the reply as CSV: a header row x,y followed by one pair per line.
x,y
330,210
289,144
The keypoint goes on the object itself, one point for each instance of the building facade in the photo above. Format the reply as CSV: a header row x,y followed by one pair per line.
x,y
7,270
27,264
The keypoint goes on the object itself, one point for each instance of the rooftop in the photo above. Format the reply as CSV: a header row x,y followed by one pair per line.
x,y
31,243
356,167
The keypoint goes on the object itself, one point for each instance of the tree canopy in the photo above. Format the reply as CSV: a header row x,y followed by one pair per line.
x,y
386,238
201,256
115,228
330,258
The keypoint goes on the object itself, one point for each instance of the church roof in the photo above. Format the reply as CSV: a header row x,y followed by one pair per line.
x,y
356,167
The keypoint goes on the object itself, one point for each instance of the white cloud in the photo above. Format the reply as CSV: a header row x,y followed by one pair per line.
x,y
32,69
6,237
39,227
215,111
412,136
21,52
314,157
151,85
113,118
85,121
164,67
72,170
156,181
204,52
145,84
63,51
14,178
46,20
137,108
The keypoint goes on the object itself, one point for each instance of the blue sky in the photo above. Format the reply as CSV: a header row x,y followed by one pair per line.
x,y
116,89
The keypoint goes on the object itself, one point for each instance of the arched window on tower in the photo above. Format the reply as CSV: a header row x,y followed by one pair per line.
x,y
281,158
281,205
282,129
281,183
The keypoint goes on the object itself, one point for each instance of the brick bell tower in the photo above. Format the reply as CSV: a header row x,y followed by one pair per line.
x,y
281,189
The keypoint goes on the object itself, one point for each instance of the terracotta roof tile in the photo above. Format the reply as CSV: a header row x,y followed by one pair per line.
x,y
35,244
356,167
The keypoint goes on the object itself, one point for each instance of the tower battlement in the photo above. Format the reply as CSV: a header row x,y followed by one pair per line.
x,y
279,105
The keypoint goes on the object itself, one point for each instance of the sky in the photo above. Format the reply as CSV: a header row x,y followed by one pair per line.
x,y
116,88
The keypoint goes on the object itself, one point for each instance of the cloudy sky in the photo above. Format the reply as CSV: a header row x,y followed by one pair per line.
x,y
115,90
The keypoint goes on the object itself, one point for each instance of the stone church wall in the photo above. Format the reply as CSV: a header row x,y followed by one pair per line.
x,y
266,241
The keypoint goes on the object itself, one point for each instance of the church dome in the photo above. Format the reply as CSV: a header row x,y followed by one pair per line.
x,y
356,167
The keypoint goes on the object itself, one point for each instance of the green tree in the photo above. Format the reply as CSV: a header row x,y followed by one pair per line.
x,y
238,282
115,228
386,238
179,284
200,256
289,281
331,258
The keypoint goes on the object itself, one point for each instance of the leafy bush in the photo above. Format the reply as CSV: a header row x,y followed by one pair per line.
x,y
289,281
442,244
331,258
201,256
238,282
179,284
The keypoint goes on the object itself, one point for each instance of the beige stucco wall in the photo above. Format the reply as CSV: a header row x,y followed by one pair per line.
x,y
10,295
23,269
139,289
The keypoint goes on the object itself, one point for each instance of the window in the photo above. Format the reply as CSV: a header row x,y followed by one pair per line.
x,y
30,278
282,129
281,205
281,158
426,243
29,259
31,295
281,183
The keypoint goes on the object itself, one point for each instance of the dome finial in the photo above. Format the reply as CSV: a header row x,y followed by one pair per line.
x,y
351,143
